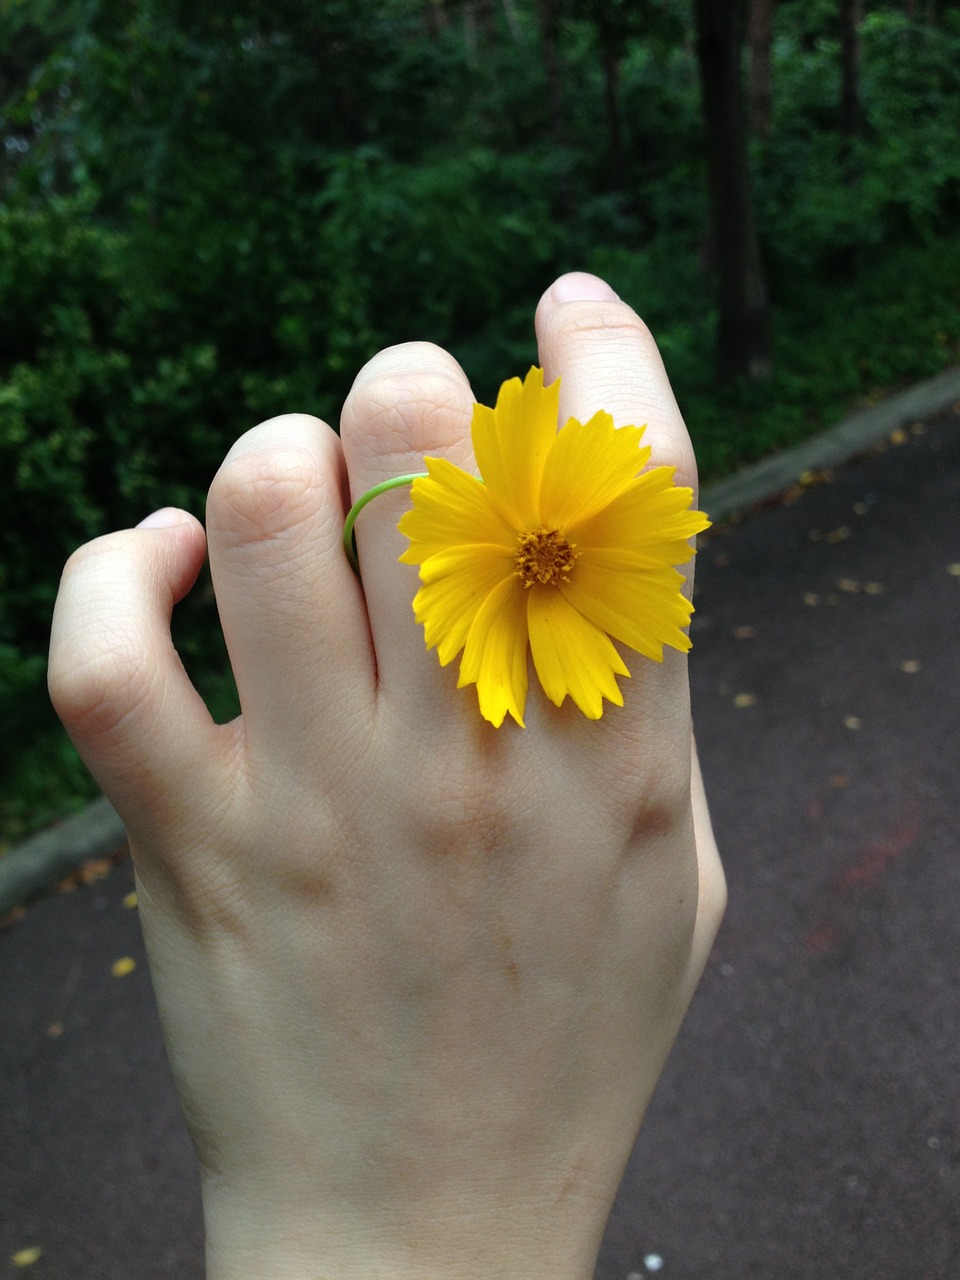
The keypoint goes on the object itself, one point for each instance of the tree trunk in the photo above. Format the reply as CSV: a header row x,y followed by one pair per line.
x,y
436,17
761,67
549,40
610,55
743,326
851,15
513,19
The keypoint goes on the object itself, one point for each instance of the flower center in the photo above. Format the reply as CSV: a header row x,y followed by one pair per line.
x,y
544,556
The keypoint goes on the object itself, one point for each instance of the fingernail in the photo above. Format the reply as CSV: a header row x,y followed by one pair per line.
x,y
578,286
165,518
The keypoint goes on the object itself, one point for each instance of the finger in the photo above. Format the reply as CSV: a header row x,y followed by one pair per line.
x,y
607,359
114,675
290,607
409,401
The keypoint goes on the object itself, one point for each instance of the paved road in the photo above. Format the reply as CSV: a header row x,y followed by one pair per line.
x,y
807,1124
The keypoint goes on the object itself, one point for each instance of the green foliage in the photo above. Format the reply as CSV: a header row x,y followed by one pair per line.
x,y
829,204
210,214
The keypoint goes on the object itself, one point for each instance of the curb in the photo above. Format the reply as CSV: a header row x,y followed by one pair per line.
x,y
36,865
770,477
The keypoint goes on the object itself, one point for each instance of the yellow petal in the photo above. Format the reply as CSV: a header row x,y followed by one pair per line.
x,y
450,507
643,609
511,443
571,655
650,510
588,466
495,655
455,584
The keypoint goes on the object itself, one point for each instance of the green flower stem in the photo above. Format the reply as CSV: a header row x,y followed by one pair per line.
x,y
349,544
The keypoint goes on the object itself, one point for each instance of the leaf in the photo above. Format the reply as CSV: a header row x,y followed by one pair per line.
x,y
120,968
26,1257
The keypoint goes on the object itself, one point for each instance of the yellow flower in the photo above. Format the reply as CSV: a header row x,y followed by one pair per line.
x,y
561,547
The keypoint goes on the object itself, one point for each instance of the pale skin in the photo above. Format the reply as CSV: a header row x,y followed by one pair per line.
x,y
418,976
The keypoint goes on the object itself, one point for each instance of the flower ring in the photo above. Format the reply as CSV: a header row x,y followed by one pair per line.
x,y
562,547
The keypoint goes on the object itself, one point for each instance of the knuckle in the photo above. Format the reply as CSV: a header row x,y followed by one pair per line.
x,y
98,686
261,496
616,320
407,412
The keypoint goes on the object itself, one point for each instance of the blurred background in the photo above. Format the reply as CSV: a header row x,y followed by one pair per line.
x,y
211,214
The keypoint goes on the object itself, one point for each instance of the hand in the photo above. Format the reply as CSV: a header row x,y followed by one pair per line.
x,y
418,976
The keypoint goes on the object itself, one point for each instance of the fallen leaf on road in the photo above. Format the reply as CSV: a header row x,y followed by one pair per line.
x,y
131,899
26,1257
120,968
94,869
898,437
954,570
745,633
811,598
910,665
839,535
850,585
873,588
744,700
852,722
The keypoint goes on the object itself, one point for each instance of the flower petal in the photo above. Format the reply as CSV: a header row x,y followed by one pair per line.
x,y
641,607
570,654
455,584
650,512
495,655
589,465
450,508
511,443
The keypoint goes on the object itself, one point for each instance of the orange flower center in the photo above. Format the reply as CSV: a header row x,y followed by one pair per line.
x,y
544,556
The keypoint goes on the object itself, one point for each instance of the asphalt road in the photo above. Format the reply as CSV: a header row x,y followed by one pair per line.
x,y
806,1127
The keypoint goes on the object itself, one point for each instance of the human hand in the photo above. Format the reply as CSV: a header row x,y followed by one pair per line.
x,y
418,976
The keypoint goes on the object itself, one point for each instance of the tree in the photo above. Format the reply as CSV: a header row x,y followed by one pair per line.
x,y
851,15
761,69
548,19
743,323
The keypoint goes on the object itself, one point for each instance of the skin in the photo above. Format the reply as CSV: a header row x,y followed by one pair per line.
x,y
418,976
